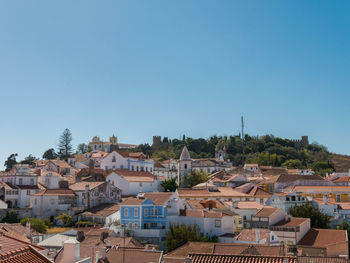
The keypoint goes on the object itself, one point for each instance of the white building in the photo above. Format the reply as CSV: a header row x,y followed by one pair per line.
x,y
211,223
17,185
132,182
129,161
91,194
52,202
286,200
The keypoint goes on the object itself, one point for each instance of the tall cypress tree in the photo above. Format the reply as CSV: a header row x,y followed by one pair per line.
x,y
65,148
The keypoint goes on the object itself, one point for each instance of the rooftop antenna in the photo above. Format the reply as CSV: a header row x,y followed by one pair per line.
x,y
242,121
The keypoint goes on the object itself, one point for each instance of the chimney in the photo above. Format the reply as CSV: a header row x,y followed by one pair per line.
x,y
87,196
28,229
257,235
104,250
103,236
71,251
80,235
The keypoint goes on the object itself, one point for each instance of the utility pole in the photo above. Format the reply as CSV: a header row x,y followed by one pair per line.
x,y
242,121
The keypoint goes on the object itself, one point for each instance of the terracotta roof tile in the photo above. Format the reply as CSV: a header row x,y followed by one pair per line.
x,y
204,258
23,255
266,212
80,186
66,192
292,221
323,237
131,255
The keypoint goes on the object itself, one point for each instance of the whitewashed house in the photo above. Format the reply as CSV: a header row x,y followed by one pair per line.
x,y
129,161
132,182
17,185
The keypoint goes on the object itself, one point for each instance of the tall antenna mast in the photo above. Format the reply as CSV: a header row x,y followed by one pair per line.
x,y
242,139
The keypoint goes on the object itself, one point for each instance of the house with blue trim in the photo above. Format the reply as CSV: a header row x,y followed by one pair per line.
x,y
148,211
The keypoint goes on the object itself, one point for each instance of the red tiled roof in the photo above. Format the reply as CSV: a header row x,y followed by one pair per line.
x,y
159,198
206,214
80,186
266,212
23,255
66,192
249,235
323,237
222,258
342,179
292,221
9,243
132,255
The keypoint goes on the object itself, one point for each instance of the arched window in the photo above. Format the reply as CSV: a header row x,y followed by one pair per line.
x,y
185,165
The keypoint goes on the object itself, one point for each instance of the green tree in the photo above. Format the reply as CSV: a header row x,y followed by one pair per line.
x,y
293,164
308,210
169,185
10,162
50,154
65,147
37,224
82,148
179,235
193,179
28,160
344,226
11,217
66,219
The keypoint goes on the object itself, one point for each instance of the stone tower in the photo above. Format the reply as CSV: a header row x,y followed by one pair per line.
x,y
185,164
157,142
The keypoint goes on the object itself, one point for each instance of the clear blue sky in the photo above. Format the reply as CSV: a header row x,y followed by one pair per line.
x,y
144,68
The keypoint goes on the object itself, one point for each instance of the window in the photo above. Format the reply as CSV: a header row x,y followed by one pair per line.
x,y
261,201
132,168
217,223
136,212
140,184
28,192
150,169
32,181
113,159
272,237
130,225
208,170
136,225
137,168
146,212
244,217
338,198
293,198
121,166
126,212
141,168
20,181
185,165
154,211
287,199
146,169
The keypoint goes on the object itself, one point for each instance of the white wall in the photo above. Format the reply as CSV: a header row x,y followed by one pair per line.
x,y
108,164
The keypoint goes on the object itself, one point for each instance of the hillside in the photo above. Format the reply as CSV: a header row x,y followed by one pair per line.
x,y
341,162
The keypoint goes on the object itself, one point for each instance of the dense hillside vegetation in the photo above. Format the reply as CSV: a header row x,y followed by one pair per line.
x,y
264,150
